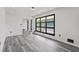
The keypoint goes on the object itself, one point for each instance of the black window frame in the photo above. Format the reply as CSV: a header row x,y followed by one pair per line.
x,y
53,28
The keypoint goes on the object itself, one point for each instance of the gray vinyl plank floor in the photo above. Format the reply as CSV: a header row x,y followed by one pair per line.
x,y
35,43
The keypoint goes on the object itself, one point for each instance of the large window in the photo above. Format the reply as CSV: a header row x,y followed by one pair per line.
x,y
46,24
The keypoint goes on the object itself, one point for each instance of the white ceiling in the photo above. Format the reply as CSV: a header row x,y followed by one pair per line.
x,y
27,11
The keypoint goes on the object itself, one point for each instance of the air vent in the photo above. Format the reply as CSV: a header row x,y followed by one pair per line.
x,y
70,40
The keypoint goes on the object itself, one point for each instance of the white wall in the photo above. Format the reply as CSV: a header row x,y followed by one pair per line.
x,y
66,23
2,27
13,25
15,17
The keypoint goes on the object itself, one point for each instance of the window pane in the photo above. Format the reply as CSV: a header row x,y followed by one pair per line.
x,y
38,29
42,24
38,24
51,31
50,24
50,18
43,19
38,20
42,29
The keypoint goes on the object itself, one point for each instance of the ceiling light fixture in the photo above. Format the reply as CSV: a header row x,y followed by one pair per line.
x,y
33,8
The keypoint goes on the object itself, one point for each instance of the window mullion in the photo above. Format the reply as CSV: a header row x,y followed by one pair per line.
x,y
40,24
45,25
